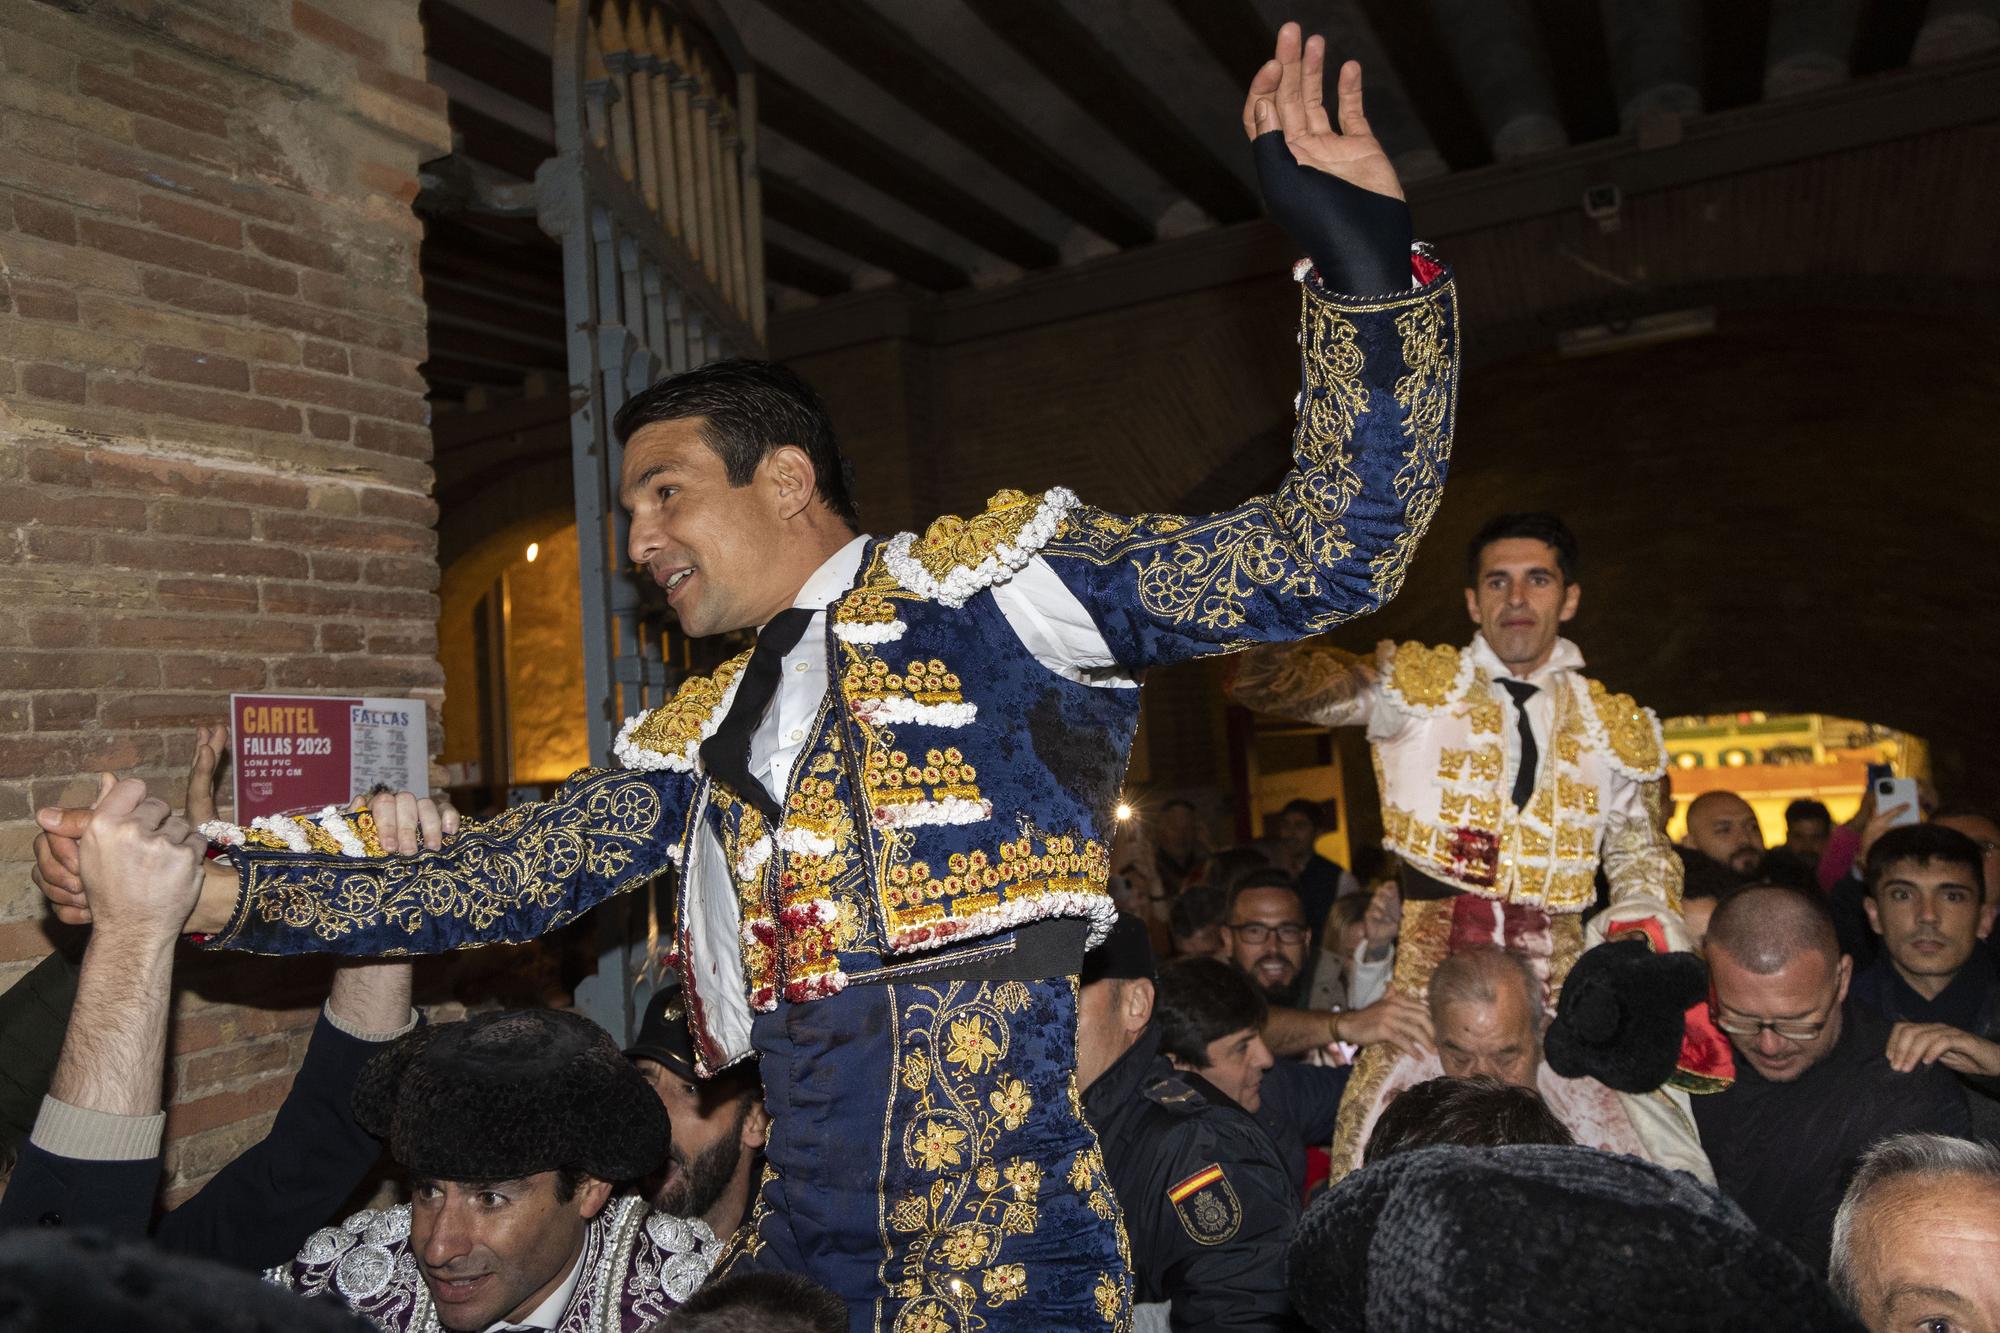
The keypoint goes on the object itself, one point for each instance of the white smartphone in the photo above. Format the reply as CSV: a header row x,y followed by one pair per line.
x,y
1898,791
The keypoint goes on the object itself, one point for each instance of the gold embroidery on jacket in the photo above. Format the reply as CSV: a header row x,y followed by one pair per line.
x,y
522,858
1426,677
1425,393
1630,730
953,541
675,725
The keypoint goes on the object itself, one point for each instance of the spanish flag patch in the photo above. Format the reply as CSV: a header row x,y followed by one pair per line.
x,y
1208,1175
1207,1206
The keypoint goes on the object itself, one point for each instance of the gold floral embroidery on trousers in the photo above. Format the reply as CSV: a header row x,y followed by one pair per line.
x,y
946,1240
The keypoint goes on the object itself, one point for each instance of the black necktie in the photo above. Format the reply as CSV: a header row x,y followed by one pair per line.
x,y
1524,776
726,754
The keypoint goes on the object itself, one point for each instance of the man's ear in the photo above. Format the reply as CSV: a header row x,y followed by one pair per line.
x,y
756,1126
1875,916
591,1197
1846,975
788,470
1472,605
1571,596
1986,916
1138,999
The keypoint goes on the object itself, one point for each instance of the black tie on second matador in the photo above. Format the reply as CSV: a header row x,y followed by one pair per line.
x,y
1524,775
726,754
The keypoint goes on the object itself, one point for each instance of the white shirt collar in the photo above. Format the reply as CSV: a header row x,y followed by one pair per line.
x,y
548,1315
1565,656
834,577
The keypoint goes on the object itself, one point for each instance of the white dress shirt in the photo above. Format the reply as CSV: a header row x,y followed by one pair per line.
x,y
1050,622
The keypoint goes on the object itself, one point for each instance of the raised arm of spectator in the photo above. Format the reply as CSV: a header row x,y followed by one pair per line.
x,y
259,1209
1395,1018
93,1157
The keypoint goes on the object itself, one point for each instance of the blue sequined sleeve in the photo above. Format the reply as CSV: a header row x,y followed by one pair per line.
x,y
1378,392
506,879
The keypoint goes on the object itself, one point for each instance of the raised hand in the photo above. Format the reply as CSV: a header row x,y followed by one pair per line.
x,y
208,746
1912,1045
1288,94
1396,1018
140,863
405,822
55,872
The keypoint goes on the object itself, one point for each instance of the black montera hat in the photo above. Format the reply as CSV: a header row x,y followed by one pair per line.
x,y
1465,1240
1125,955
505,1095
663,1033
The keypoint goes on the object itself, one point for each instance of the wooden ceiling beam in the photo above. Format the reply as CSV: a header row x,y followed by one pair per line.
x,y
1735,40
478,50
794,270
882,52
1235,35
1416,47
786,108
496,143
1885,35
1069,55
1580,64
796,207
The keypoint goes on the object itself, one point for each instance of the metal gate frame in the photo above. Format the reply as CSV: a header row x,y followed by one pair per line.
x,y
654,195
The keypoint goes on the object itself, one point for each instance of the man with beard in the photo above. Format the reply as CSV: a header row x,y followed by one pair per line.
x,y
1264,934
1722,827
719,1123
1507,777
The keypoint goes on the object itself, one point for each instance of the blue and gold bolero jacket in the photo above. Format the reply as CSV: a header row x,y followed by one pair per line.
x,y
953,787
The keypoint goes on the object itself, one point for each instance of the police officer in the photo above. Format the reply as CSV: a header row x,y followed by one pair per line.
x,y
1209,1207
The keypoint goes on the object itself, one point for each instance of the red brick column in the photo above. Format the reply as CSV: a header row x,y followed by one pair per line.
x,y
214,453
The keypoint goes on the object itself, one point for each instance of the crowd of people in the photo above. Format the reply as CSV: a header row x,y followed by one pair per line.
x,y
946,1048
1845,1135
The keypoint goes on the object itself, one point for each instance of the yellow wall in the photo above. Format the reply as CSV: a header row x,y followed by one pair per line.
x,y
545,663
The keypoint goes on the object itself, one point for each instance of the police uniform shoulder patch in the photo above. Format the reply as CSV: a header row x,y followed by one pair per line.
x,y
1207,1206
1174,1095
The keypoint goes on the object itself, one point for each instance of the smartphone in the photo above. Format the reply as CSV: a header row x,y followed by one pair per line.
x,y
1876,772
1898,791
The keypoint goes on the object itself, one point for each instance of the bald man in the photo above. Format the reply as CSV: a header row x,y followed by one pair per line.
x,y
1723,827
1814,1086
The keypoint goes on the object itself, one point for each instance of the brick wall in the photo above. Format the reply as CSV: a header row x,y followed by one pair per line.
x,y
214,453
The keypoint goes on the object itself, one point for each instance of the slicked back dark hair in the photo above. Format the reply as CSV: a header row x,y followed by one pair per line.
x,y
1926,844
1197,1000
1465,1113
750,408
1544,528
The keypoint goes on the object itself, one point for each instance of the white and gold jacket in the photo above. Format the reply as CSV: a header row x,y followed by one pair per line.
x,y
1445,739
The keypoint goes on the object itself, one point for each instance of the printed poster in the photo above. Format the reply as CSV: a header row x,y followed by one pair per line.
x,y
304,752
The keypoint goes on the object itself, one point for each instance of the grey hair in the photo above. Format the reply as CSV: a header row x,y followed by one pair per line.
x,y
1474,976
1906,1156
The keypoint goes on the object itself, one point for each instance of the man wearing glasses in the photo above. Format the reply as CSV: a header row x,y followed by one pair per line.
x,y
1814,1084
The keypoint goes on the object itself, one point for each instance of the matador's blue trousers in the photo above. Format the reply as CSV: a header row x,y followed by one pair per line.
x,y
929,1161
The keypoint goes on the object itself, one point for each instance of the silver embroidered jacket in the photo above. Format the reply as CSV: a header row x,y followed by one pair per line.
x,y
638,1266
